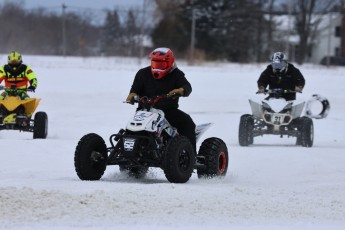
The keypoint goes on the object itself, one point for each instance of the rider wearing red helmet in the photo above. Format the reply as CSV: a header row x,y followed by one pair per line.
x,y
163,77
162,62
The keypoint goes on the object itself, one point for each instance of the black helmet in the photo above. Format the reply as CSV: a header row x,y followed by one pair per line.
x,y
279,62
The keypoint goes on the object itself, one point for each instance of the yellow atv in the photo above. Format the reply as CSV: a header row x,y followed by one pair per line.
x,y
15,114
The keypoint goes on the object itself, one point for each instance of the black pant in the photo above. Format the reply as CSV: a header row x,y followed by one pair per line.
x,y
183,123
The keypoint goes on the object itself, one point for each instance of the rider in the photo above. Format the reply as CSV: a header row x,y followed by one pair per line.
x,y
17,75
281,74
163,77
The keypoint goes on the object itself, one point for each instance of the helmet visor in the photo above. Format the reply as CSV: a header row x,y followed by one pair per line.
x,y
279,65
161,51
14,62
159,64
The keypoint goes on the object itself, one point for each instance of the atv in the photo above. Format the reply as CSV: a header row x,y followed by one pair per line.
x,y
150,141
15,114
277,116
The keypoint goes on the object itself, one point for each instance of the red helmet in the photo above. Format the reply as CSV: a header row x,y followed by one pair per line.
x,y
162,62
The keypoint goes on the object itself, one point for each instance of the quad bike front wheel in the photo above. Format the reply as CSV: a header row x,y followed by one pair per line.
x,y
245,132
214,155
90,158
40,125
179,160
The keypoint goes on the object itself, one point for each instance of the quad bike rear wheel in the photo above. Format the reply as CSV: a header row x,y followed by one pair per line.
x,y
214,154
306,130
40,125
245,132
179,160
90,158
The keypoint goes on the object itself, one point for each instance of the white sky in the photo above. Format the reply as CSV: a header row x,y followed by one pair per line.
x,y
98,4
93,8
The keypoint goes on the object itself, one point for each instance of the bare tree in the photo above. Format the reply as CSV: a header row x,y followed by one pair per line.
x,y
112,33
132,33
308,15
39,32
269,28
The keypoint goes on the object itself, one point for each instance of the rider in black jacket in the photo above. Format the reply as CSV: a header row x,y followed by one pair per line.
x,y
281,75
163,77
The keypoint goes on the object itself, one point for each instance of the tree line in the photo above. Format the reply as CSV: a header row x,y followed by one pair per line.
x,y
230,30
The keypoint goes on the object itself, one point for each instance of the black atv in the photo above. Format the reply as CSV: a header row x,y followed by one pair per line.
x,y
150,141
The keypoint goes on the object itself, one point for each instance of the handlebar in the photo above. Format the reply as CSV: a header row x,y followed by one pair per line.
x,y
151,100
278,91
145,99
14,90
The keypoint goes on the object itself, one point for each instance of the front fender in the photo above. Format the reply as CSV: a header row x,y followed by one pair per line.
x,y
11,103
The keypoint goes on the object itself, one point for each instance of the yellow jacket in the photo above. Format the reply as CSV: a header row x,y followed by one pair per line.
x,y
18,77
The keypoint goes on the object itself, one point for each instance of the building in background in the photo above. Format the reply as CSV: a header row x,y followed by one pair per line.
x,y
326,45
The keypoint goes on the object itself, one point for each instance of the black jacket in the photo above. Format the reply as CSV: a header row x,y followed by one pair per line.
x,y
145,85
291,78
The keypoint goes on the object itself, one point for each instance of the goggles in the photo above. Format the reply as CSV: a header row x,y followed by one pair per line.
x,y
14,62
279,65
161,51
159,65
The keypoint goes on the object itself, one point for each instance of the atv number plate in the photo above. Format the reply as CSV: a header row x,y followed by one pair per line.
x,y
128,144
277,118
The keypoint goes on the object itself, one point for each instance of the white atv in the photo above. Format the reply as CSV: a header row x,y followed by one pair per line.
x,y
150,141
274,115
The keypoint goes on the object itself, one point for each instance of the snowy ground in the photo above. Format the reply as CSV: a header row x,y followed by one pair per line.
x,y
272,184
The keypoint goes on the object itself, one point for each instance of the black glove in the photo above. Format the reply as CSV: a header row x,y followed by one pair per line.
x,y
261,90
32,88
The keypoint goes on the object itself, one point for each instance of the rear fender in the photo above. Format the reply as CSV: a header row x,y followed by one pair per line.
x,y
297,108
201,129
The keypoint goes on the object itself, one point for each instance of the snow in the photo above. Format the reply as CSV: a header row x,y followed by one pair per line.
x,y
272,184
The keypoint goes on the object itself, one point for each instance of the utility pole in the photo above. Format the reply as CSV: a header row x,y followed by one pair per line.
x,y
329,41
63,30
192,39
287,44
